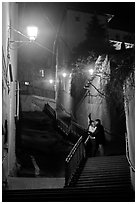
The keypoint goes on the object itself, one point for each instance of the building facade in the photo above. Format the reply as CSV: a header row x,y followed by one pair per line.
x,y
10,88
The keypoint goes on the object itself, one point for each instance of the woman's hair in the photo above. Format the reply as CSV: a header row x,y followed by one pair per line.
x,y
89,115
99,121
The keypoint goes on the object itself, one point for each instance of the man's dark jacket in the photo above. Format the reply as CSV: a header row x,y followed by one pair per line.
x,y
99,134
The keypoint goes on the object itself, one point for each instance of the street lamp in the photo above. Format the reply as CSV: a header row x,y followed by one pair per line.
x,y
51,81
32,32
64,74
55,57
91,71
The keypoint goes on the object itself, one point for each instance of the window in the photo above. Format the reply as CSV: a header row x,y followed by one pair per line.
x,y
42,73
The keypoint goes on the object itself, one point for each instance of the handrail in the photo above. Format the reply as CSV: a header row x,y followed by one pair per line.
x,y
73,160
78,152
77,125
73,149
73,127
63,126
17,100
4,68
63,109
127,154
51,110
77,130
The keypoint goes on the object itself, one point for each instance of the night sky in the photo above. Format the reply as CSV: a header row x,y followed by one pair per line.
x,y
124,11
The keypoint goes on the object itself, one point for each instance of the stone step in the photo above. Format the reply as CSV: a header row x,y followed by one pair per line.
x,y
97,194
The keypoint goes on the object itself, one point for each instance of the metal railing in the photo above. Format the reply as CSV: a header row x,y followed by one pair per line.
x,y
127,154
17,100
73,160
78,152
77,130
50,110
63,126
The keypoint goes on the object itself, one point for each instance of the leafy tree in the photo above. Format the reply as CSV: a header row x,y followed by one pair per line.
x,y
96,40
85,53
121,67
79,78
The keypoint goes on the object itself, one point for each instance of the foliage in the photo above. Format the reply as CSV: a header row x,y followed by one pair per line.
x,y
96,40
121,67
87,52
79,77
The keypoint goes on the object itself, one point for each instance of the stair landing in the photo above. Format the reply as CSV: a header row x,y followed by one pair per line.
x,y
18,183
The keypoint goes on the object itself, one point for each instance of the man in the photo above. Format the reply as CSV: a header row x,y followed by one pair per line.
x,y
99,137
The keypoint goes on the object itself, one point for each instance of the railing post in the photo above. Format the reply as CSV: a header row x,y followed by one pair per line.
x,y
66,173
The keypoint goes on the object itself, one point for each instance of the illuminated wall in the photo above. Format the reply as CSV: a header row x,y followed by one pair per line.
x,y
130,123
10,18
95,104
72,32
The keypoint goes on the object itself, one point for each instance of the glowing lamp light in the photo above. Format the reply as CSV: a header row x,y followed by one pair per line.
x,y
51,81
32,32
91,71
26,83
64,74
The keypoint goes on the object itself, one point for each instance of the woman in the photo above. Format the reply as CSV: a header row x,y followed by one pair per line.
x,y
90,141
99,137
91,128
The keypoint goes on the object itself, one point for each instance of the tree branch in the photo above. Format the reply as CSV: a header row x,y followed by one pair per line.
x,y
98,90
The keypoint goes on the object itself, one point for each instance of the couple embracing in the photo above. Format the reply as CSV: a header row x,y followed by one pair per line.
x,y
96,136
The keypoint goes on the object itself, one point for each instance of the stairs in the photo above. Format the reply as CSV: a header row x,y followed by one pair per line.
x,y
108,177
103,179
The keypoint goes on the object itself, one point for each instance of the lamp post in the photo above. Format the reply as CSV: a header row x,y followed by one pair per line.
x,y
32,32
55,56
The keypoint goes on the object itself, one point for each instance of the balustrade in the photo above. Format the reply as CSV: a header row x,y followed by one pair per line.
x,y
73,160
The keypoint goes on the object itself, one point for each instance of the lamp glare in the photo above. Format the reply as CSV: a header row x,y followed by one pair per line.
x,y
64,74
32,32
91,71
50,81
